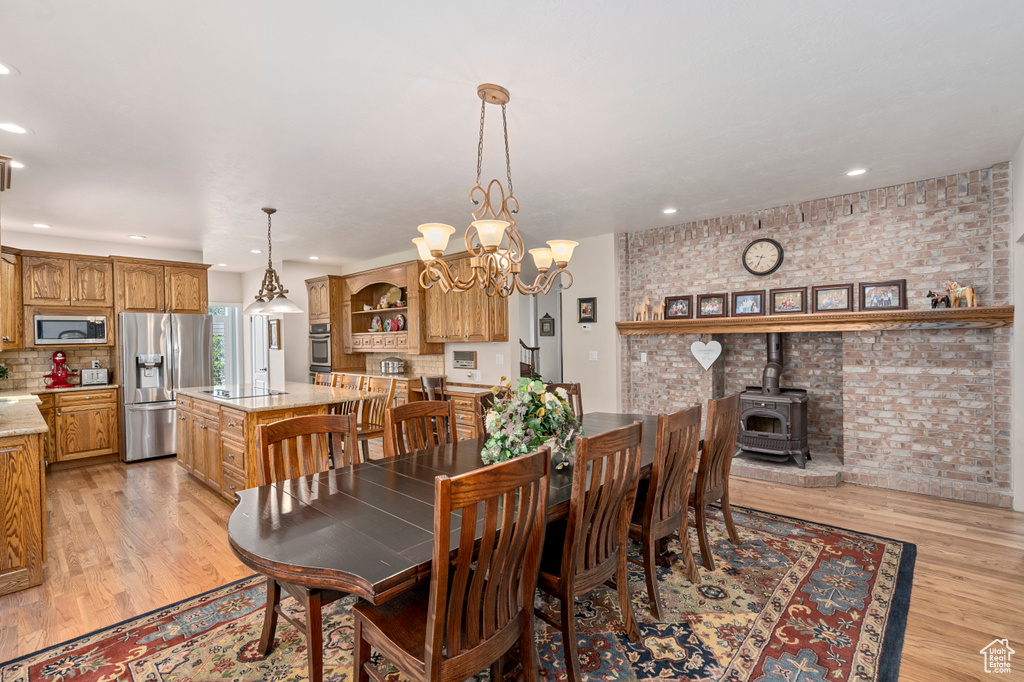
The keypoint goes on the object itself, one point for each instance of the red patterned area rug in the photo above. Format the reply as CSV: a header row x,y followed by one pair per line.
x,y
793,601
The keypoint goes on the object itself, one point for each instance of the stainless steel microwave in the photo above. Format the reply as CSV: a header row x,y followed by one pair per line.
x,y
69,330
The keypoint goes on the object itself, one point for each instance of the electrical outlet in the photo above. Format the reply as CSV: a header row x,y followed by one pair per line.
x,y
499,359
587,328
593,356
643,357
95,364
473,375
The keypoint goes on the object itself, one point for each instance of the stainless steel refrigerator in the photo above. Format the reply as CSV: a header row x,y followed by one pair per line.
x,y
161,353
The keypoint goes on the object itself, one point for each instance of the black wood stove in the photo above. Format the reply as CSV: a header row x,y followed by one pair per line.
x,y
773,420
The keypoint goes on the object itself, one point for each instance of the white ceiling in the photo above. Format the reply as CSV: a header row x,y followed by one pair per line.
x,y
180,120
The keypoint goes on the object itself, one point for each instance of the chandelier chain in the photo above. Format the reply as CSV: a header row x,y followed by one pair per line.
x,y
508,158
270,246
480,145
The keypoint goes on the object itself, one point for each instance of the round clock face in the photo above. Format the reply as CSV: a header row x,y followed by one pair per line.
x,y
762,256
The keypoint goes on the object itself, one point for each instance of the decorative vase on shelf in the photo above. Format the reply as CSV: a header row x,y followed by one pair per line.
x,y
527,417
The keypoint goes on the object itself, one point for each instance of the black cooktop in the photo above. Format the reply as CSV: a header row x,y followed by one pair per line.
x,y
240,392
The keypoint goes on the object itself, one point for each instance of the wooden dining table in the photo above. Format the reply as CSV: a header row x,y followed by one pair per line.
x,y
367,529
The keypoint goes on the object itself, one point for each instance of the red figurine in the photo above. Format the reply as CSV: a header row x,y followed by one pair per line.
x,y
58,376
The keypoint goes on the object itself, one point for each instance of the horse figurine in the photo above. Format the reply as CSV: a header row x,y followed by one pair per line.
x,y
958,293
938,300
642,310
658,313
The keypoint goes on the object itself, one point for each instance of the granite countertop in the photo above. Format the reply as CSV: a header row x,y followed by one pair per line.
x,y
27,392
293,394
21,418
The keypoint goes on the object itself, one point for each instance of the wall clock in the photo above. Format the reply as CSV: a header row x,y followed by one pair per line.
x,y
762,256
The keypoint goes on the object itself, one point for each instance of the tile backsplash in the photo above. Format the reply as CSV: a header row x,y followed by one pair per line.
x,y
27,366
414,364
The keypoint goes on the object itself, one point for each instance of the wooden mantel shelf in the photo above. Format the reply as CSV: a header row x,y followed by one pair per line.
x,y
940,318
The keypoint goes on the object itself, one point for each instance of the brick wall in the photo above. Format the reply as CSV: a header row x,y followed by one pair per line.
x,y
926,411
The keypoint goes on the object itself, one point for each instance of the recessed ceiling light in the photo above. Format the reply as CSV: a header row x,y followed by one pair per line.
x,y
17,164
41,226
670,210
256,251
857,171
13,128
8,70
314,258
135,236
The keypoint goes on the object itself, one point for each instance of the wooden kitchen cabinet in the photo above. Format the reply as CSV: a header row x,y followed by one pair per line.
x,y
146,286
326,306
22,491
72,282
318,291
49,411
11,306
183,433
185,289
464,316
86,424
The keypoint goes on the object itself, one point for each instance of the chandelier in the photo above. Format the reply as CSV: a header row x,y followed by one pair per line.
x,y
495,245
271,299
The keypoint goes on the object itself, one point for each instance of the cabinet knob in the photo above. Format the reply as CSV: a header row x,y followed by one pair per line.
x,y
7,338
88,397
231,456
231,423
65,299
73,299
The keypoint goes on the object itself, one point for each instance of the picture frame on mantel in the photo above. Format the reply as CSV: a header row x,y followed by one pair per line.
x,y
792,300
587,309
891,295
832,298
274,334
678,307
712,305
748,303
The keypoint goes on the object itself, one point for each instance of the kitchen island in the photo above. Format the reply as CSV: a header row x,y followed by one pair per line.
x,y
216,427
22,495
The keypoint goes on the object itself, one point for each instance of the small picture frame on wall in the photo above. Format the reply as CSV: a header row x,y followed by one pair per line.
x,y
587,309
274,334
748,303
890,295
547,325
832,298
678,307
712,305
788,301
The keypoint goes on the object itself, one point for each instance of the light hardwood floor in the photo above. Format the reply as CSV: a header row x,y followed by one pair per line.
x,y
124,540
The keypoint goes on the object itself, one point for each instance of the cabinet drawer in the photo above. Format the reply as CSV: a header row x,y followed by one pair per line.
x,y
231,484
206,409
184,403
465,419
377,341
465,432
232,423
463,404
232,457
84,398
389,341
402,341
357,341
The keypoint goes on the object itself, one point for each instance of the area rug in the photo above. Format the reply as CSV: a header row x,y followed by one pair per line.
x,y
793,601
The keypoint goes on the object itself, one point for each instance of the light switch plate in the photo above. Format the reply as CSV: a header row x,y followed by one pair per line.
x,y
587,328
643,357
499,359
593,356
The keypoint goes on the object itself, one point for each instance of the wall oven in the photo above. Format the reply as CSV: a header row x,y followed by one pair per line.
x,y
319,348
69,330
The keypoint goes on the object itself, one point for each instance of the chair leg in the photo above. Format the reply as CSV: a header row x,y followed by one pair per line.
x,y
649,574
365,444
361,655
529,660
314,636
270,617
727,515
570,648
622,587
702,536
689,565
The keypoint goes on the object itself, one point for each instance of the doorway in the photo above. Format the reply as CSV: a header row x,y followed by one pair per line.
x,y
259,351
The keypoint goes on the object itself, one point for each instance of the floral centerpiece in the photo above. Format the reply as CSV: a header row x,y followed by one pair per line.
x,y
524,418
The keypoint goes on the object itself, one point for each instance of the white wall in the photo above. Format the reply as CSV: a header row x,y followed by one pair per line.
x,y
1017,343
225,287
550,346
595,272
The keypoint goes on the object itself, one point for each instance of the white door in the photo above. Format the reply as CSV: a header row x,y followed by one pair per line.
x,y
259,350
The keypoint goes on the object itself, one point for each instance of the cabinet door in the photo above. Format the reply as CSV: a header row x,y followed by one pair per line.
x,y
10,301
20,490
183,439
92,283
50,438
185,289
139,287
313,297
46,281
434,314
211,452
473,309
498,319
86,431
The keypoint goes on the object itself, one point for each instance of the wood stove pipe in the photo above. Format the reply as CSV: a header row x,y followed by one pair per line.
x,y
773,370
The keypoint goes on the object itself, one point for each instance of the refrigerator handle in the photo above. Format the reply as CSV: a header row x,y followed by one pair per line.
x,y
173,380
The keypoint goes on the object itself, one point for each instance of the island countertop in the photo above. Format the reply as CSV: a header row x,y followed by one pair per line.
x,y
292,395
21,418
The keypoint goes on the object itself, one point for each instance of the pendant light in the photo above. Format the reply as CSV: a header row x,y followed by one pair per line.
x,y
271,298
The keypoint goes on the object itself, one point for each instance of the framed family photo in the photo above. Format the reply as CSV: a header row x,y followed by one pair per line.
x,y
547,325
883,295
748,303
712,305
832,298
678,307
786,301
587,309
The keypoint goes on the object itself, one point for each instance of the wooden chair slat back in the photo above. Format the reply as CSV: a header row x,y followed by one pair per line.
x,y
433,388
490,584
575,396
604,481
418,425
350,381
322,379
372,413
303,445
723,422
675,461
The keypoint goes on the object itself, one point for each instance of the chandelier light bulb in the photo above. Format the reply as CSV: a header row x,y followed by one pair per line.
x,y
542,258
435,236
421,247
561,250
490,233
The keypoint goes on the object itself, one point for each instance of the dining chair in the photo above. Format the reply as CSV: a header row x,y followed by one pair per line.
x,y
287,449
322,379
712,483
661,501
352,382
575,396
478,607
371,411
433,388
418,425
585,550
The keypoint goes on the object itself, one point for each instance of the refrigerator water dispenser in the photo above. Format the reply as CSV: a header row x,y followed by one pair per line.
x,y
149,371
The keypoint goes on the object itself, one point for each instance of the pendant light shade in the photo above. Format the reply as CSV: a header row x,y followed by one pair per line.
x,y
271,299
281,304
254,308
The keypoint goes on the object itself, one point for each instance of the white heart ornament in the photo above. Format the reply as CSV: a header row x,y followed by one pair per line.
x,y
706,353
